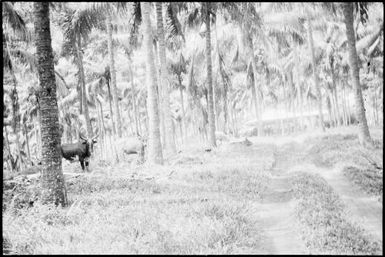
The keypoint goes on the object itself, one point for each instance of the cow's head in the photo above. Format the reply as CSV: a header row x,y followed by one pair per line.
x,y
89,143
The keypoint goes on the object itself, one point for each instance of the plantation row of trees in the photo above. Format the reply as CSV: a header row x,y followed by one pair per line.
x,y
171,71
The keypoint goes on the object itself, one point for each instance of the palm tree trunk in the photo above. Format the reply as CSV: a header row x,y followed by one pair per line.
x,y
363,130
155,154
336,107
8,149
211,116
113,77
83,87
52,179
254,86
16,121
337,110
169,142
27,142
159,93
225,89
254,96
110,104
134,102
315,76
343,103
183,110
299,88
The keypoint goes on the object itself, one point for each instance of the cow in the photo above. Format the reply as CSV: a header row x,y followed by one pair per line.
x,y
134,145
83,149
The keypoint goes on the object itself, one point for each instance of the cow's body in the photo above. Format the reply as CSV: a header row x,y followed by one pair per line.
x,y
81,149
134,145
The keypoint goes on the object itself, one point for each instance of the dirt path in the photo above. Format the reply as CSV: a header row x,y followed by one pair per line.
x,y
276,211
361,208
277,208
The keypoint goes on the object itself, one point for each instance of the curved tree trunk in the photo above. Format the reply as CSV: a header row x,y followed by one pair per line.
x,y
113,77
169,142
210,102
363,130
52,179
315,75
155,154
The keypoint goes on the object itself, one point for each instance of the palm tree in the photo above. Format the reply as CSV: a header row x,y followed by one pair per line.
x,y
210,102
315,74
52,178
77,24
12,19
113,75
155,154
363,130
169,142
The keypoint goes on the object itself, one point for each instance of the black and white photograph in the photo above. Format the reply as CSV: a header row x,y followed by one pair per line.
x,y
192,128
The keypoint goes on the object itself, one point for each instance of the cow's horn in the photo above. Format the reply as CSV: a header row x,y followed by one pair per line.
x,y
95,136
80,135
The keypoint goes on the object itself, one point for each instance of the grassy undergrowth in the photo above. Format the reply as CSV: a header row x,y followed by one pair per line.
x,y
368,179
202,209
323,222
361,165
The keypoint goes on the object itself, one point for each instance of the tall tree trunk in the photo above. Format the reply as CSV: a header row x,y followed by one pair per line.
x,y
337,110
8,149
169,142
344,109
225,89
210,102
336,107
254,86
182,106
155,154
27,142
83,86
159,93
110,104
135,109
363,130
299,88
118,122
52,179
254,96
315,76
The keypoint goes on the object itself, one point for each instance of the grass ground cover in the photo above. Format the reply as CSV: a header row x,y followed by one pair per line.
x,y
323,222
203,208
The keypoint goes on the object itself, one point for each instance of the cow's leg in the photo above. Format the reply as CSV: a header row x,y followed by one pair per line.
x,y
82,164
87,162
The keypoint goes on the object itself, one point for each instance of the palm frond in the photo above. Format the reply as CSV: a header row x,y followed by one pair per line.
x,y
13,20
173,26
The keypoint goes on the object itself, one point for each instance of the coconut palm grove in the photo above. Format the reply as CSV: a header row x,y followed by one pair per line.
x,y
192,128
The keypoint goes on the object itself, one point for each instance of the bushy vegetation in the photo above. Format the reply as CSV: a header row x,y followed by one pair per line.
x,y
324,225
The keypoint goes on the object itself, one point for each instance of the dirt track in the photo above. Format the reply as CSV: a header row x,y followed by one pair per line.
x,y
277,207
